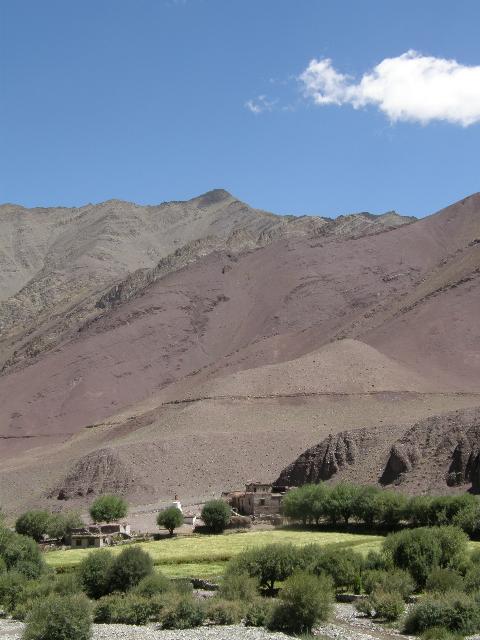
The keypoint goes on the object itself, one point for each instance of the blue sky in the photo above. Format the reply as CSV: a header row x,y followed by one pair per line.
x,y
148,100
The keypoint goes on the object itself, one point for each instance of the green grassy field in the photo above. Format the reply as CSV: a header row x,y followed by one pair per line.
x,y
205,556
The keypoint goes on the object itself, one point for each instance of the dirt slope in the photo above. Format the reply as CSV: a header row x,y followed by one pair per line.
x,y
227,357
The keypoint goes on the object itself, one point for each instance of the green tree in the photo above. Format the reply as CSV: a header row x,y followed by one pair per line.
x,y
268,564
216,515
60,525
128,568
341,501
343,568
33,524
170,519
108,508
304,601
392,507
367,507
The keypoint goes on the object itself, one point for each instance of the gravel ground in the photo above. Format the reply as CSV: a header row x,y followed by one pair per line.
x,y
346,626
13,630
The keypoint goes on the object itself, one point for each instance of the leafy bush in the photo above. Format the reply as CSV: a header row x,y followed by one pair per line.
x,y
220,611
108,508
183,613
365,607
128,568
94,573
440,633
170,519
472,579
421,550
258,612
239,587
457,612
377,561
396,580
16,549
388,605
153,585
268,564
344,568
3,566
216,515
33,524
59,618
11,586
443,580
127,608
304,600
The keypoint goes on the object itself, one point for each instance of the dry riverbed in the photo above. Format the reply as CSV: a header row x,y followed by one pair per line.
x,y
346,625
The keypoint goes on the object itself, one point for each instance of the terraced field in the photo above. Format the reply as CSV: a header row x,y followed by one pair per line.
x,y
205,556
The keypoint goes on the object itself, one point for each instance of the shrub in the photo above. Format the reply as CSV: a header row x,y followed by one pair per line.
x,y
11,586
94,573
3,566
128,568
268,564
472,579
304,600
396,580
365,607
343,567
216,515
258,612
33,524
153,585
457,612
170,519
220,611
108,508
443,580
388,605
440,633
127,608
239,587
421,550
184,613
59,618
16,548
377,561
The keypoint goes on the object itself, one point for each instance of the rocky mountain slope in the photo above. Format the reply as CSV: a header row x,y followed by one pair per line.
x,y
196,344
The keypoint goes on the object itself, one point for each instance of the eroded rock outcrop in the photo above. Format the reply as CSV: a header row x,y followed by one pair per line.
x,y
326,459
101,471
433,455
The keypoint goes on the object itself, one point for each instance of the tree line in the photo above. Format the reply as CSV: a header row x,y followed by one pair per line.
x,y
374,507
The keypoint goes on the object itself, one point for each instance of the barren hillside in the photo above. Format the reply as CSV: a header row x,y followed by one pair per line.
x,y
198,344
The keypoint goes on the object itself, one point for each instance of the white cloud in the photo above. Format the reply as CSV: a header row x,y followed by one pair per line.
x,y
410,87
259,104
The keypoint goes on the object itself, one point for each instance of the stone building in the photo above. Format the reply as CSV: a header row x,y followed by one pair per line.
x,y
259,499
98,535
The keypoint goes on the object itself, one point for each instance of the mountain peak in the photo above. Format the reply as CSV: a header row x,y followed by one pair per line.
x,y
214,196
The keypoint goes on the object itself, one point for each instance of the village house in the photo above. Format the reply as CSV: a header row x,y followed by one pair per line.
x,y
259,499
99,535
